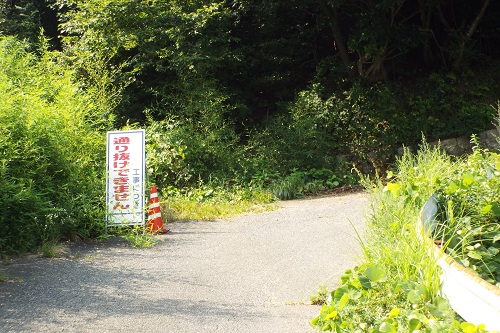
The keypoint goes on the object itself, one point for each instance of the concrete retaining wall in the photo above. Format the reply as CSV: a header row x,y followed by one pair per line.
x,y
462,145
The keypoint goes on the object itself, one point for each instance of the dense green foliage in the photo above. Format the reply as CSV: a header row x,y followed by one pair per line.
x,y
51,149
268,95
396,286
265,77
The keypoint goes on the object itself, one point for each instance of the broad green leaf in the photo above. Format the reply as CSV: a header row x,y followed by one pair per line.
x,y
439,307
486,209
468,327
414,324
394,313
474,255
419,316
343,301
365,282
493,250
356,283
339,293
375,273
452,188
331,315
415,296
496,238
354,293
467,179
409,189
422,289
393,188
346,276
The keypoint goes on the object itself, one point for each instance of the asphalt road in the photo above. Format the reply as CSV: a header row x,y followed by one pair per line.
x,y
252,273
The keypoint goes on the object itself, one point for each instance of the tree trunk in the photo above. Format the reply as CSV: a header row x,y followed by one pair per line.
x,y
376,70
457,64
425,21
340,44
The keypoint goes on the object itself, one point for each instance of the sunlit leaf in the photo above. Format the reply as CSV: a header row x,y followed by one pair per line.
x,y
486,209
414,296
354,293
496,238
331,315
375,273
474,255
343,301
468,327
419,316
452,188
393,188
339,293
467,179
439,307
394,313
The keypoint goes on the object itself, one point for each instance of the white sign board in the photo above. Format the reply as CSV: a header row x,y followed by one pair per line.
x,y
125,161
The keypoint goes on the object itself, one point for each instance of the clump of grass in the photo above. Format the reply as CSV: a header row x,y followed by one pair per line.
x,y
138,236
53,249
210,204
321,296
3,277
204,204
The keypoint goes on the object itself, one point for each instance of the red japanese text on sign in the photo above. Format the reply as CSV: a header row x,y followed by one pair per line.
x,y
125,177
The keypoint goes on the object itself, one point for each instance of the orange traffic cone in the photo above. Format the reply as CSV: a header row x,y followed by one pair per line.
x,y
155,223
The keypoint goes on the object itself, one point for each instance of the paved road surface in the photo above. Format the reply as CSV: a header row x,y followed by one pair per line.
x,y
252,274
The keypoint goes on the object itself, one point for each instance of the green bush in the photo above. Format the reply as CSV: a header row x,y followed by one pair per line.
x,y
184,154
469,215
287,144
51,157
367,123
448,105
300,183
321,127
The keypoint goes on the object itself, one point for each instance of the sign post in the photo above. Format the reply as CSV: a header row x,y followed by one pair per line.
x,y
125,178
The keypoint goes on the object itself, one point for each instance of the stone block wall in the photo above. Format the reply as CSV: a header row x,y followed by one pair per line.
x,y
462,145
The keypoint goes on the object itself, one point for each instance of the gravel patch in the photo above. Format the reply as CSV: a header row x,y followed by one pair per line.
x,y
252,273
